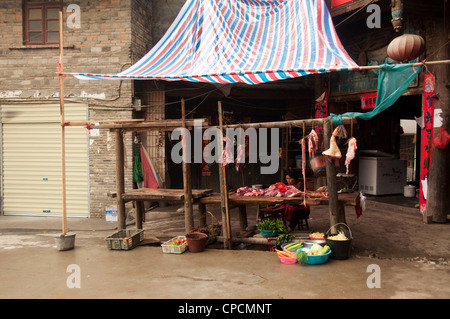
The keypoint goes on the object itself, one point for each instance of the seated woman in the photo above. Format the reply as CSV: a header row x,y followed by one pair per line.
x,y
294,213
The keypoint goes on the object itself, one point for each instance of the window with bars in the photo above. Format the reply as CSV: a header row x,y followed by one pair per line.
x,y
41,22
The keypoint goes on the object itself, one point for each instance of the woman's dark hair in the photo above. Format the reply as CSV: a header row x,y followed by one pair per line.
x,y
293,174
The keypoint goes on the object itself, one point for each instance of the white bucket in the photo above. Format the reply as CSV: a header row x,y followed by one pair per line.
x,y
409,191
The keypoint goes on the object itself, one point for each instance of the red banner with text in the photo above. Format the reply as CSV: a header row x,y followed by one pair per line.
x,y
427,136
368,100
321,110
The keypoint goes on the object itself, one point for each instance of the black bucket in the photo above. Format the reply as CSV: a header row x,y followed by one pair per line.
x,y
340,249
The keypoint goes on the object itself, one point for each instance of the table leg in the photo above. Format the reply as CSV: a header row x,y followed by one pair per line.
x,y
243,217
120,181
139,214
202,211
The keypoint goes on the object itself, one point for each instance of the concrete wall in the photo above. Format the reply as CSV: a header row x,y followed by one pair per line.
x,y
113,34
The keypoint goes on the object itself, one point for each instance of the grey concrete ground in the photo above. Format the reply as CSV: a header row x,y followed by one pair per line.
x,y
31,267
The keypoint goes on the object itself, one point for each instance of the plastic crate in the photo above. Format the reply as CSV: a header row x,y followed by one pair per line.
x,y
125,239
168,248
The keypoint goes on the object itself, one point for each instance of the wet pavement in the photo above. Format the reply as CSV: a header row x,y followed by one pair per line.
x,y
32,267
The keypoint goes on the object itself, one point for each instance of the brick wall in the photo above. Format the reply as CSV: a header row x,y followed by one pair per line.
x,y
164,13
102,44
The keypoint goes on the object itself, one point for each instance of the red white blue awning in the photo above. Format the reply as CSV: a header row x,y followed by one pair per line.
x,y
247,41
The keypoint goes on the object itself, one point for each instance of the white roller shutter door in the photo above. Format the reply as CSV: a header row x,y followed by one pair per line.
x,y
31,160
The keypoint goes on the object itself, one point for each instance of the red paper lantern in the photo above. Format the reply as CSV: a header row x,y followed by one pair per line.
x,y
406,47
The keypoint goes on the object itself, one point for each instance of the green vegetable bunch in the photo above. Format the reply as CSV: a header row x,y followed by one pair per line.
x,y
271,224
284,238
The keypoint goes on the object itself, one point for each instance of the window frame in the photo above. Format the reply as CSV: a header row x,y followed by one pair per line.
x,y
26,20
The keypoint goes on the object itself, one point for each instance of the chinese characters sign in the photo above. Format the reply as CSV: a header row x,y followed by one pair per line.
x,y
368,100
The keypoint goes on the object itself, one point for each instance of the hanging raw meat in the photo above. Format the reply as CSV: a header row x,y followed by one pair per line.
x,y
333,151
227,153
350,152
313,141
240,159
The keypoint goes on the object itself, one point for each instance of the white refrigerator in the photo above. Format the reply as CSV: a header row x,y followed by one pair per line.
x,y
381,173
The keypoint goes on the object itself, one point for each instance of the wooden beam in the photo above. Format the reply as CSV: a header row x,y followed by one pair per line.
x,y
347,199
139,211
120,181
250,240
187,184
149,125
350,6
226,231
202,213
286,124
336,209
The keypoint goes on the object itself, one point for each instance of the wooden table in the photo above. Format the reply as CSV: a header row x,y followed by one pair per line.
x,y
161,195
346,199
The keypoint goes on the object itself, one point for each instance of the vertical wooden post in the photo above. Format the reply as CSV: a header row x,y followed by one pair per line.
x,y
188,212
63,137
243,217
223,186
337,212
438,200
120,180
139,213
202,212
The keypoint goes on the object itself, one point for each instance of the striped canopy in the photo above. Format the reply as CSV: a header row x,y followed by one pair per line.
x,y
248,41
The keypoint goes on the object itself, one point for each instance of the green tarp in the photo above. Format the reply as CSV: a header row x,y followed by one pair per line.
x,y
138,176
393,80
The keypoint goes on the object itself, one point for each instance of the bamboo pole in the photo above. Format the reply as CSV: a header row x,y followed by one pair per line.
x,y
97,123
344,67
223,186
286,124
63,139
128,125
427,63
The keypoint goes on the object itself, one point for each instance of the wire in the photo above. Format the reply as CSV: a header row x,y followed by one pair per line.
x,y
438,49
353,14
206,96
